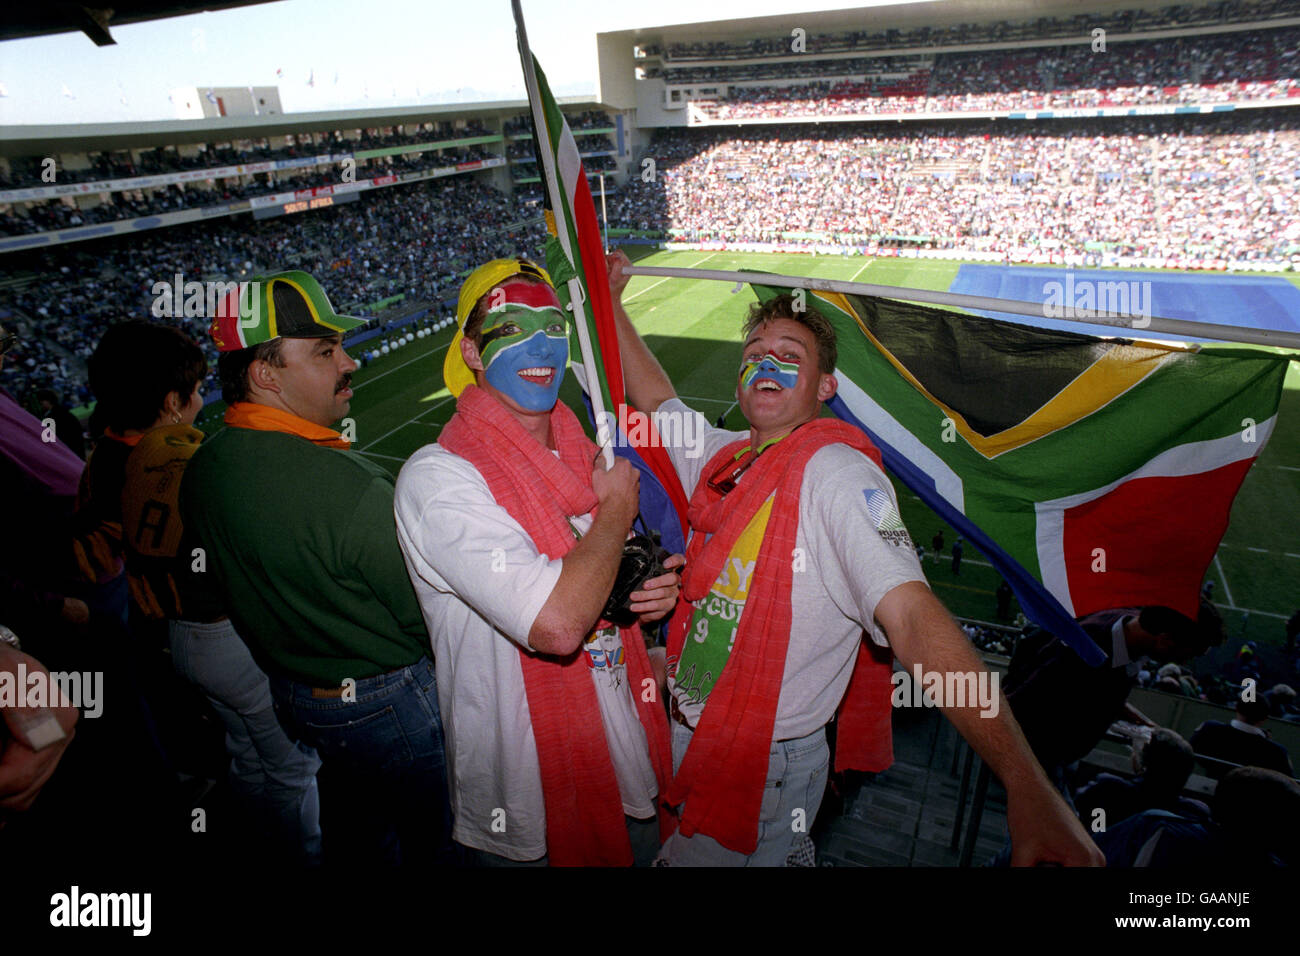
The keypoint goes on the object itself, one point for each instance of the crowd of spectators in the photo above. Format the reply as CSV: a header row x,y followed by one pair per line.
x,y
1261,65
27,171
1115,22
523,149
408,240
61,213
587,119
1210,187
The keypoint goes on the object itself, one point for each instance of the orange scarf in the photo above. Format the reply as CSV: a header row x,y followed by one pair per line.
x,y
264,418
584,809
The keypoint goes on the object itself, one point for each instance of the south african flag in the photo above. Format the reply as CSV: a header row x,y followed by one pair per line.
x,y
1094,472
575,259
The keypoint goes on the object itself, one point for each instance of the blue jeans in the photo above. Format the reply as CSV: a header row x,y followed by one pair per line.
x,y
384,773
269,773
792,795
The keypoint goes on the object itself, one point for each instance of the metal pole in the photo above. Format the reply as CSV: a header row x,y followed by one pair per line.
x,y
1149,324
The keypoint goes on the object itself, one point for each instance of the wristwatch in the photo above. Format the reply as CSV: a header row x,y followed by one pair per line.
x,y
9,637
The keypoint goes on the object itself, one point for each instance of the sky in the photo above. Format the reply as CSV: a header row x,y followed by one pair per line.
x,y
376,53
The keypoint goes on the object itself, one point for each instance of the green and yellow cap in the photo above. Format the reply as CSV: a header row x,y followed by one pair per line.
x,y
290,304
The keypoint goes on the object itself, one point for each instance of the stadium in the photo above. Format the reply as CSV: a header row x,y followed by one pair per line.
x,y
960,147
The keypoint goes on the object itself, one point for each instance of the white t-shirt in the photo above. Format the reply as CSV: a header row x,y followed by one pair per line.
x,y
481,583
851,550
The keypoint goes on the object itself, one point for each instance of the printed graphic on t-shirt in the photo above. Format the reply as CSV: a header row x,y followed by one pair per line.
x,y
886,518
713,627
604,649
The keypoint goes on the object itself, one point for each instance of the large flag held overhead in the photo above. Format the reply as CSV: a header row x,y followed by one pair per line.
x,y
575,259
1093,472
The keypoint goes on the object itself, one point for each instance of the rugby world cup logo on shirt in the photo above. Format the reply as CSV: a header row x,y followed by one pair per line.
x,y
886,517
770,368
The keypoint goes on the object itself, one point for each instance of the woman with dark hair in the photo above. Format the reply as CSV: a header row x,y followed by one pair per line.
x,y
147,380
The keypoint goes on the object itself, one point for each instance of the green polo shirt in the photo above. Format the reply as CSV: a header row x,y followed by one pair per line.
x,y
301,541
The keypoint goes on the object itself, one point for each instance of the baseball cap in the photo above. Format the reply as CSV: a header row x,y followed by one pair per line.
x,y
290,304
480,282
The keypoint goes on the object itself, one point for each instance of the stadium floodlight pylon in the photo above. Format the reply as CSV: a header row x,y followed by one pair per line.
x,y
1136,323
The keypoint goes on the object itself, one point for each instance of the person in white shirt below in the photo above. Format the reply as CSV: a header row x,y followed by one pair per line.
x,y
513,531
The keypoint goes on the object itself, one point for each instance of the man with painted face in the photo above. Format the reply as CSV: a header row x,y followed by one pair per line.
x,y
797,548
513,532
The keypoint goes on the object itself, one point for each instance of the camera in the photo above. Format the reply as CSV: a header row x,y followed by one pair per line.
x,y
643,558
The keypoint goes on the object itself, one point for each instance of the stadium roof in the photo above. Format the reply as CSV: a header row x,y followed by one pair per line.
x,y
32,140
900,16
39,19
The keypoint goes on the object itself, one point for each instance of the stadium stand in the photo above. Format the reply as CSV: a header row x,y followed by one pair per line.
x,y
1206,187
410,240
1119,22
27,171
1212,191
1237,67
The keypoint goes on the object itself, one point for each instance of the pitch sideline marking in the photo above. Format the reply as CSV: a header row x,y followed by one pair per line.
x,y
410,421
375,454
666,278
1223,578
870,259
402,366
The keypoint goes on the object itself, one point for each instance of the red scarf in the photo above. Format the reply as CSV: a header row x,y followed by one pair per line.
x,y
722,776
267,419
584,809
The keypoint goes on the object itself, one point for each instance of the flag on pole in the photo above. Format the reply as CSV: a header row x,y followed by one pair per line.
x,y
1093,472
575,259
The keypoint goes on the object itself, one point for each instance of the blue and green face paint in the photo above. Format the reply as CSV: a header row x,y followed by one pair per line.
x,y
525,344
769,367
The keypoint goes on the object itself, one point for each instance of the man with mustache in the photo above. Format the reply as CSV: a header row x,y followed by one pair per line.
x,y
299,534
513,531
797,549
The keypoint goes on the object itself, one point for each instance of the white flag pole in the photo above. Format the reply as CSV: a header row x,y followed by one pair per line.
x,y
577,299
1136,324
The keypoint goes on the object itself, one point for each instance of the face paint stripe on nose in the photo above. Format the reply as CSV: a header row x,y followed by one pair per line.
x,y
770,366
